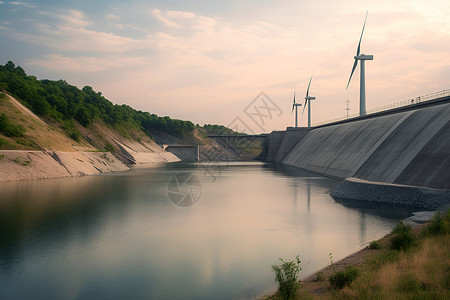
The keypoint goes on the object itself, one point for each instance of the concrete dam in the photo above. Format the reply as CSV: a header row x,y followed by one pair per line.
x,y
407,146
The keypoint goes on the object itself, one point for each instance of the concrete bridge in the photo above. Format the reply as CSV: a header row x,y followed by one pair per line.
x,y
407,145
184,152
239,143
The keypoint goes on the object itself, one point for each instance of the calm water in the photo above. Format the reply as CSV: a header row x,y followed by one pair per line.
x,y
118,236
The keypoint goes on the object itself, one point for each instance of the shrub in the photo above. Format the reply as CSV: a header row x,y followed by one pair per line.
x,y
320,277
340,279
9,129
71,130
287,277
403,237
375,245
439,224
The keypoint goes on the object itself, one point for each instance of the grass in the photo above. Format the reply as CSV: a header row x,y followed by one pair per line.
x,y
21,161
407,264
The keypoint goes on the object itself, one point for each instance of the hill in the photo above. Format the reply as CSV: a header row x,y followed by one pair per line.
x,y
55,120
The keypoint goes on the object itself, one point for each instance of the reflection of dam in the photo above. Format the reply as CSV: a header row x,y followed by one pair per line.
x,y
408,145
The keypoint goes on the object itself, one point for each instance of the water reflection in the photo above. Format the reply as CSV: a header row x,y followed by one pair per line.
x,y
118,236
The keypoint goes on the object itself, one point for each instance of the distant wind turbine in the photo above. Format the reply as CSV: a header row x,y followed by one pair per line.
x,y
362,85
308,102
295,105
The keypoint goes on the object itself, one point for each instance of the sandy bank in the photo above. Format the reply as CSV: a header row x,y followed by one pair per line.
x,y
25,165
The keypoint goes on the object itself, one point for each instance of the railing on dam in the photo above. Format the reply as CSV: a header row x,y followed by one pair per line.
x,y
411,101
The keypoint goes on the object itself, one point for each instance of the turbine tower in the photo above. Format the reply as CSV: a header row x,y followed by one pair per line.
x,y
295,105
308,102
362,84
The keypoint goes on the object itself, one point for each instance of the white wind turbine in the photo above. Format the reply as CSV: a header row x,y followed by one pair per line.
x,y
362,85
295,105
308,102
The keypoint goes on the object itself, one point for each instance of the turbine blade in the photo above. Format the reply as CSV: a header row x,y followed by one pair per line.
x,y
307,91
359,44
304,106
351,74
293,103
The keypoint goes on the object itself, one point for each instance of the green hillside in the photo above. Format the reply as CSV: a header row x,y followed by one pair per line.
x,y
62,102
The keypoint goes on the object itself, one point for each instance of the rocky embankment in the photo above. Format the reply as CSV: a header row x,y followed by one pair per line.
x,y
355,189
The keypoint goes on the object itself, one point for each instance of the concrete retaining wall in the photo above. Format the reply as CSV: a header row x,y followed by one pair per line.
x,y
292,136
185,152
274,142
410,147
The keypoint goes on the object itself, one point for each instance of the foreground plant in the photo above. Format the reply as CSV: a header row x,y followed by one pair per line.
x,y
286,275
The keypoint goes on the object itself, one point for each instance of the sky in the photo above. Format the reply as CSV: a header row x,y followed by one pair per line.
x,y
209,61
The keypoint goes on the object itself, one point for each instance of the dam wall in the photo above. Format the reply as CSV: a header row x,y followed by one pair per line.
x,y
410,147
187,153
292,136
273,145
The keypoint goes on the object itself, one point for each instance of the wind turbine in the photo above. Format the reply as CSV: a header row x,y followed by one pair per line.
x,y
295,105
362,84
308,102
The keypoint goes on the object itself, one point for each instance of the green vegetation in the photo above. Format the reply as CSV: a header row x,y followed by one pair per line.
x,y
403,238
286,275
71,130
340,279
9,129
109,148
374,245
439,224
62,102
21,161
220,130
1,156
411,264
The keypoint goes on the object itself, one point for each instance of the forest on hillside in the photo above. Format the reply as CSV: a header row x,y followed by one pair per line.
x,y
65,103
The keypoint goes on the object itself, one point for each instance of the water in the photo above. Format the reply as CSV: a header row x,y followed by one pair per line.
x,y
118,236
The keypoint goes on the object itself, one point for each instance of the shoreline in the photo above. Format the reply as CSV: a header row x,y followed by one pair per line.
x,y
18,165
317,288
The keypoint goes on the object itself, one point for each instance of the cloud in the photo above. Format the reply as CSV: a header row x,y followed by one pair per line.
x,y
112,16
158,15
20,4
86,64
197,58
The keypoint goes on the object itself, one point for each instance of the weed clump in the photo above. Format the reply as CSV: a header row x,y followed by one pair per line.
x,y
340,279
403,237
286,275
375,245
9,129
440,224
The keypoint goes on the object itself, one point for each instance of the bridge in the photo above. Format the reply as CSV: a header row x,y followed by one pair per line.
x,y
240,142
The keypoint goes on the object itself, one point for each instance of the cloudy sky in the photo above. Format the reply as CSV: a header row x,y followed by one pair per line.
x,y
206,61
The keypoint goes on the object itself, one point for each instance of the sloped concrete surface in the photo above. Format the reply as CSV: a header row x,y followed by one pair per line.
x,y
292,136
411,147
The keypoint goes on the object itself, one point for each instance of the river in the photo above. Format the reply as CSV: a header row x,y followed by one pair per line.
x,y
177,231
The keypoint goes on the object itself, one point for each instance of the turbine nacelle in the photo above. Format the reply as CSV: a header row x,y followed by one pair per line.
x,y
364,57
310,98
